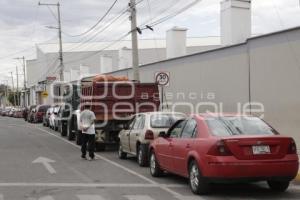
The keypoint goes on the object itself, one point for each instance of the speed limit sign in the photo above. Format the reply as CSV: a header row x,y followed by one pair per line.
x,y
162,78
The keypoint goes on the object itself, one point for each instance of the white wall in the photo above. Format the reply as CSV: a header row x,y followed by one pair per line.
x,y
106,64
274,64
125,58
275,81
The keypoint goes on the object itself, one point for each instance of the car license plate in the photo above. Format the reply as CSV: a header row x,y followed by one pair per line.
x,y
262,149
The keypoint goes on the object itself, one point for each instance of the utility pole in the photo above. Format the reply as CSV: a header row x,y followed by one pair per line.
x,y
6,92
134,38
18,99
13,87
60,37
24,73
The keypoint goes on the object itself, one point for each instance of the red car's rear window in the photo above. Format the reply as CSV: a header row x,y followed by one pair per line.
x,y
237,125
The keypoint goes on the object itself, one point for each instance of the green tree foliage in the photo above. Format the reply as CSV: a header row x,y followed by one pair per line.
x,y
11,98
2,89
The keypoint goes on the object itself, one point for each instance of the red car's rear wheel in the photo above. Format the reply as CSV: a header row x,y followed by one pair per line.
x,y
279,186
198,184
154,166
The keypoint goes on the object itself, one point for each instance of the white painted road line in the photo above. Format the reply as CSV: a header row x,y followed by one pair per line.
x,y
138,197
90,197
41,198
102,158
91,185
47,198
175,194
46,163
99,197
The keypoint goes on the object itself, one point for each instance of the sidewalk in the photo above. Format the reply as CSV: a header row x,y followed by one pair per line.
x,y
297,179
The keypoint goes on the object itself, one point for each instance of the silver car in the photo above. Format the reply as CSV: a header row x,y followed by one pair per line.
x,y
141,130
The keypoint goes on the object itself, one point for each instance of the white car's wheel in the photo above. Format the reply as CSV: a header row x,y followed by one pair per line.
x,y
142,155
121,153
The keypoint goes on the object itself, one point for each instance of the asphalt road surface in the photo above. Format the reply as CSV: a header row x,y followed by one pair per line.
x,y
37,164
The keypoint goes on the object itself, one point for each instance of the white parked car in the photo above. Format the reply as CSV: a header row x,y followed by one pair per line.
x,y
141,130
53,116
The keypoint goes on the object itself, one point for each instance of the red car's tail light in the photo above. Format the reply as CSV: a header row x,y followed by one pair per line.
x,y
149,135
292,148
220,149
39,114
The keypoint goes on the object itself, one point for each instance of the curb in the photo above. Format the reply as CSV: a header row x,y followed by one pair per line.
x,y
298,178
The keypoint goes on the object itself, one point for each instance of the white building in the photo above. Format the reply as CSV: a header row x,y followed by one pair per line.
x,y
81,60
262,69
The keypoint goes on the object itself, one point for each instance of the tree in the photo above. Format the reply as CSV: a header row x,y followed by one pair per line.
x,y
2,89
12,96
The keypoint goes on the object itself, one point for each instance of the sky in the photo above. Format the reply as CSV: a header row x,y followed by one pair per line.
x,y
23,23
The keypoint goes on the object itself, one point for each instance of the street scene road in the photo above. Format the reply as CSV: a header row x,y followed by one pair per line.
x,y
149,100
107,178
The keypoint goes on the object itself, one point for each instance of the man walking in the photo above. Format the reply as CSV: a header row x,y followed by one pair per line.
x,y
87,123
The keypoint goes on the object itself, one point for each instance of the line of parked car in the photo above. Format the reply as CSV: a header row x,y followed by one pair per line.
x,y
46,114
32,114
204,148
16,112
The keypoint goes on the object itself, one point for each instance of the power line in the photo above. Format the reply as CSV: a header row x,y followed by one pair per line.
x,y
172,15
99,51
49,66
81,43
101,30
52,13
150,18
152,24
97,23
108,25
161,12
8,56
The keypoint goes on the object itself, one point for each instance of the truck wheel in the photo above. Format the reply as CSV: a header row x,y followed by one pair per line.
x,y
142,155
78,137
122,155
100,147
70,133
198,184
279,186
154,166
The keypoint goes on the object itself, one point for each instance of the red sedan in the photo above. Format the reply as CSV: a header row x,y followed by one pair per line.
x,y
210,148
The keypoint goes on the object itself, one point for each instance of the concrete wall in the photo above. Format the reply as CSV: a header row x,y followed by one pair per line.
x,y
273,62
275,72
